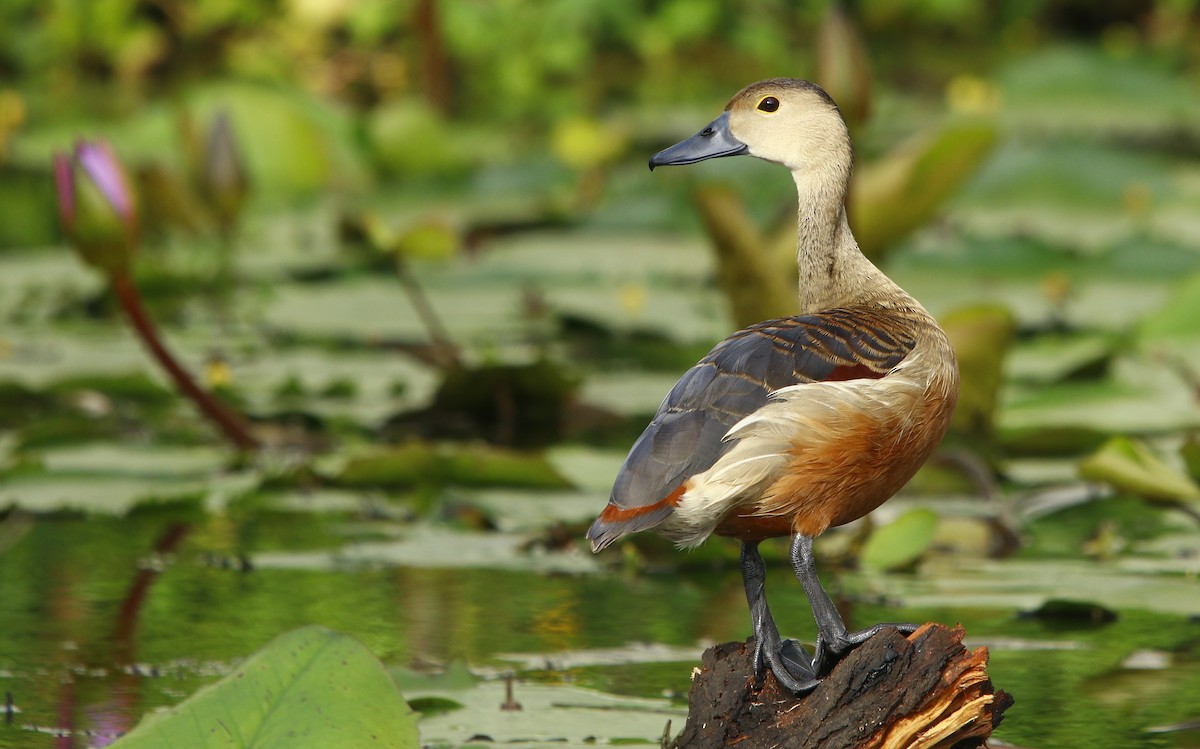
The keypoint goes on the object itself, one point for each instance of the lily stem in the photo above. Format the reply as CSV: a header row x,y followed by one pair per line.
x,y
445,352
231,423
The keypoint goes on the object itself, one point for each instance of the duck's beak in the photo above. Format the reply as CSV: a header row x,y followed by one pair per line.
x,y
710,143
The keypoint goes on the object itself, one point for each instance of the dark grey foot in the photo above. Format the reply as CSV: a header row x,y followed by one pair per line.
x,y
790,662
832,647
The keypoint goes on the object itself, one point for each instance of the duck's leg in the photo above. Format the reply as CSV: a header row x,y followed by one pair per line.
x,y
833,640
789,661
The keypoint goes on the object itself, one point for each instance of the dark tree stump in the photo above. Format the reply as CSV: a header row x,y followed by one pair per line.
x,y
924,691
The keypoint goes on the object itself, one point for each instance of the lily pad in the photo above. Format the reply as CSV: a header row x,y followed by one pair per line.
x,y
1178,317
425,547
421,463
1074,89
901,542
308,688
565,716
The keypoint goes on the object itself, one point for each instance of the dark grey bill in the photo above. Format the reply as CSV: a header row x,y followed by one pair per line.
x,y
710,143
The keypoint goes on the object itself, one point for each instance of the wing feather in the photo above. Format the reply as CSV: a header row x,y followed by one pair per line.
x,y
691,430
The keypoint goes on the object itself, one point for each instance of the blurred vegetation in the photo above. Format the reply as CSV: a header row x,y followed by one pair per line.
x,y
329,92
415,243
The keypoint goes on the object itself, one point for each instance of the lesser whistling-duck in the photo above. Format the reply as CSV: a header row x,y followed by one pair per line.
x,y
794,425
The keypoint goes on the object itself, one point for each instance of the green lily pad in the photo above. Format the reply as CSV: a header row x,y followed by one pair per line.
x,y
422,463
550,715
901,542
1178,317
308,688
1130,466
1079,89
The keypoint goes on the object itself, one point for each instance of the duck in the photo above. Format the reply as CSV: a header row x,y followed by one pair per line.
x,y
796,425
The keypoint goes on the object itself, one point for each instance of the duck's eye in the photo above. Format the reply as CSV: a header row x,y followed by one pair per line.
x,y
768,104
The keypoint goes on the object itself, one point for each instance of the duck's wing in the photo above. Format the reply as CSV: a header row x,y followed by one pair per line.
x,y
735,379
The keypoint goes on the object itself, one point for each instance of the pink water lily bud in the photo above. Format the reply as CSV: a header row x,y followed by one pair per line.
x,y
97,207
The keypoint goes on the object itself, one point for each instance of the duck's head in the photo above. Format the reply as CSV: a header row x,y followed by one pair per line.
x,y
784,120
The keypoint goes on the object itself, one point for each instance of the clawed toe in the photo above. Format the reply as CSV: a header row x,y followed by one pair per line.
x,y
858,638
789,662
830,650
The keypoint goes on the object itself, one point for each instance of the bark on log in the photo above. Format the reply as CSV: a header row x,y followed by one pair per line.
x,y
925,691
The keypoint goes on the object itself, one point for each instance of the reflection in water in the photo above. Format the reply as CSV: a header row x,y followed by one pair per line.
x,y
98,694
99,629
71,581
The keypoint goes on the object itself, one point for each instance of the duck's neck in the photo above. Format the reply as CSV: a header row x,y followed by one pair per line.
x,y
833,271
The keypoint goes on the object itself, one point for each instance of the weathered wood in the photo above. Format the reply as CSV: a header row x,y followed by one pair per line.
x,y
925,691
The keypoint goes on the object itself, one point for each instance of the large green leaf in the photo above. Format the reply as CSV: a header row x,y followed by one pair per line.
x,y
308,688
894,195
1130,466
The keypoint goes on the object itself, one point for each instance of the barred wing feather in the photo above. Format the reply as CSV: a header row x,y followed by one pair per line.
x,y
688,434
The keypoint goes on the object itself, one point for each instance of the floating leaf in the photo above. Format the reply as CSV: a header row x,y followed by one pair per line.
x,y
901,542
308,688
1078,89
1050,441
1179,317
434,705
422,463
1130,466
975,537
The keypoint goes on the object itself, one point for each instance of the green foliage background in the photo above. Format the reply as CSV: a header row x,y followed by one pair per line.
x,y
496,150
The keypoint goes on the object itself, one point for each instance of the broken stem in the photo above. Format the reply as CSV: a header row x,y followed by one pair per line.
x,y
229,422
